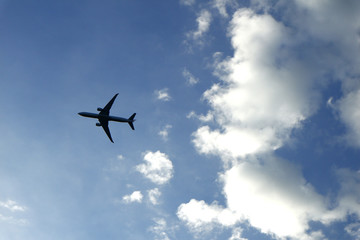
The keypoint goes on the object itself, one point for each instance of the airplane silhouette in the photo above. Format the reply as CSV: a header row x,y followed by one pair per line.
x,y
104,117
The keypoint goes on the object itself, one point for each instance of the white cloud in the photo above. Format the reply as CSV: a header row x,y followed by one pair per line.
x,y
349,195
187,2
236,234
275,198
160,229
349,108
330,103
15,209
12,206
191,114
221,5
13,220
163,94
204,118
200,216
157,167
337,23
154,195
136,196
203,24
269,86
272,196
262,100
165,132
353,230
190,79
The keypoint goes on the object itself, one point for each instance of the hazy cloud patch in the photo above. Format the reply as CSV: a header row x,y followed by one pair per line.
x,y
349,108
10,212
160,229
203,25
154,195
353,230
237,234
190,79
187,2
164,133
221,6
163,94
12,206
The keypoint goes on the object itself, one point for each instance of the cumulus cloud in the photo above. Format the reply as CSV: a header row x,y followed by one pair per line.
x,y
268,88
154,195
165,132
338,22
272,196
190,79
157,167
163,94
136,196
275,198
200,216
262,100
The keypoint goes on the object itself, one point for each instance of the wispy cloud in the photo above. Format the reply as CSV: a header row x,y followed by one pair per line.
x,y
12,206
190,79
136,196
187,2
353,230
15,209
163,94
203,24
164,133
154,195
157,167
221,6
237,234
13,220
349,110
159,229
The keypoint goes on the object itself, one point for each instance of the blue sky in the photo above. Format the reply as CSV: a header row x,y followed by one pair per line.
x,y
247,120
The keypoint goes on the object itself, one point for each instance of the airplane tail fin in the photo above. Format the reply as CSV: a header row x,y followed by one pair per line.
x,y
131,120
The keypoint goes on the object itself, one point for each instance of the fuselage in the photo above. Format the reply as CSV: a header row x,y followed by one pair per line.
x,y
104,117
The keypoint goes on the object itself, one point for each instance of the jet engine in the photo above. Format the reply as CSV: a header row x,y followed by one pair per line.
x,y
99,109
98,124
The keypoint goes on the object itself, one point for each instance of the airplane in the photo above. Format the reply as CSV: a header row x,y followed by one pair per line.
x,y
104,117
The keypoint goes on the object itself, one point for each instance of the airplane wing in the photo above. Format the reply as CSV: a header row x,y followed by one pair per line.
x,y
105,126
106,109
